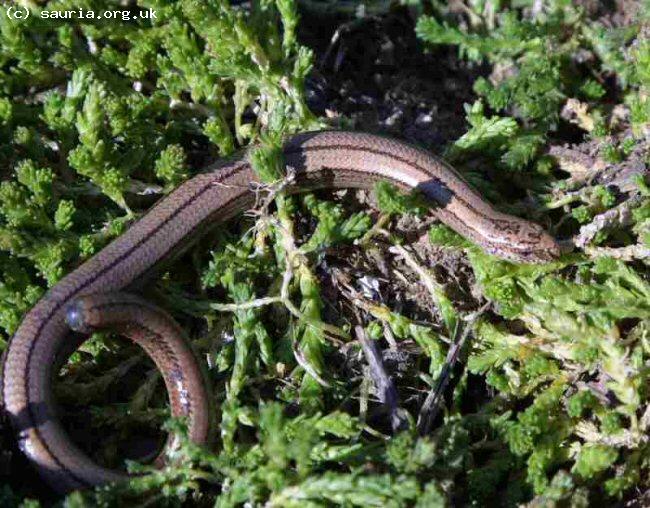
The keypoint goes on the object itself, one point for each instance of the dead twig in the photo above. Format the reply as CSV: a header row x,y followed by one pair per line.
x,y
432,403
384,385
628,253
617,217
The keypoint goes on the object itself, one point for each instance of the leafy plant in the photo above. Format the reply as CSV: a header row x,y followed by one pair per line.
x,y
99,119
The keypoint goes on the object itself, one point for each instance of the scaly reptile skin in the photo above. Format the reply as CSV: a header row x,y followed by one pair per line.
x,y
326,159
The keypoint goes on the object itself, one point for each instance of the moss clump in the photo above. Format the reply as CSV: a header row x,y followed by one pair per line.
x,y
98,119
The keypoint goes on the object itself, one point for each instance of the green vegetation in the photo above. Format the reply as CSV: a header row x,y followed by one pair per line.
x,y
98,118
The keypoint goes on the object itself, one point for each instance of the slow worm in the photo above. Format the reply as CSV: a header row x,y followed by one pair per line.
x,y
92,295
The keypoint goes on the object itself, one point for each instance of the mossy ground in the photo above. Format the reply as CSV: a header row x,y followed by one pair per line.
x,y
343,391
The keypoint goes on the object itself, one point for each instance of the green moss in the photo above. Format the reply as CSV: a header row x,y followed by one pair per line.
x,y
593,459
92,112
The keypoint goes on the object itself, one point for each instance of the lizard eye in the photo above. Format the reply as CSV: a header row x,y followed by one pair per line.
x,y
533,233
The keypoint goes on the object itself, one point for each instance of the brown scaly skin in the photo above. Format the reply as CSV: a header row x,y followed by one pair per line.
x,y
320,160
